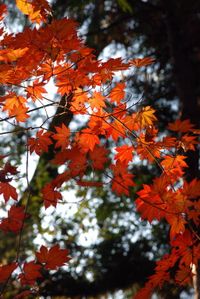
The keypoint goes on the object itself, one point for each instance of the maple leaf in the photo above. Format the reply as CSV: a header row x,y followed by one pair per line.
x,y
183,241
150,210
3,10
173,166
99,156
78,163
184,275
146,117
177,223
6,271
7,170
31,272
8,191
19,112
125,153
144,293
182,126
62,136
115,64
150,204
50,196
117,93
107,69
14,221
37,10
36,90
122,179
97,101
24,6
52,258
13,101
87,140
120,185
10,55
139,62
191,189
41,143
117,130
64,87
80,98
188,142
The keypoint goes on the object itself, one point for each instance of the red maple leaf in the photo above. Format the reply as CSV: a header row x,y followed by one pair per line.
x,y
8,191
53,257
50,195
122,179
14,221
6,271
3,10
99,157
31,272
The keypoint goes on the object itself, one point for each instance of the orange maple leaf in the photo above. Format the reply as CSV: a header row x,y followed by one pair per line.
x,y
13,101
41,143
62,136
19,112
36,90
117,93
182,126
52,258
10,55
97,101
150,203
125,154
177,223
139,62
80,98
87,140
173,166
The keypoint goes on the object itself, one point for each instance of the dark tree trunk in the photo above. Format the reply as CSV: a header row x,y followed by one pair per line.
x,y
182,23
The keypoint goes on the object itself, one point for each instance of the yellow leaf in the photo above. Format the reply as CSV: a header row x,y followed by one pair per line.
x,y
24,6
146,117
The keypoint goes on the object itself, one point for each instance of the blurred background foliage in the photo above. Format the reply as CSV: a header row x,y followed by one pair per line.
x,y
113,251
